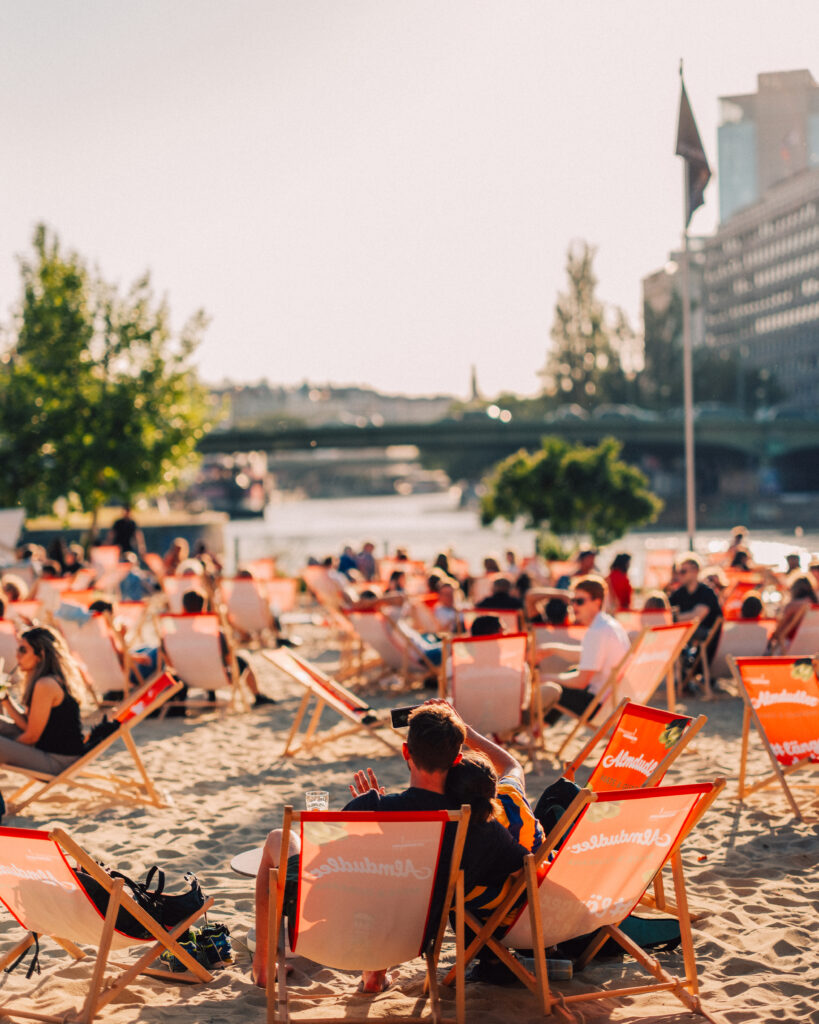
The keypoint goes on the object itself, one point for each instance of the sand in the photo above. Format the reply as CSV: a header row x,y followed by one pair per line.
x,y
751,870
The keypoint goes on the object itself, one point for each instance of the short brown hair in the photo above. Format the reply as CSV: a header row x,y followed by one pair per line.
x,y
595,587
436,733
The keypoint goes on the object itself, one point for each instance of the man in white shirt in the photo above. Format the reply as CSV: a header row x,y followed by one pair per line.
x,y
603,647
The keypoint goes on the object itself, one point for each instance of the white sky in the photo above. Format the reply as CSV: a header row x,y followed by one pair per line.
x,y
369,191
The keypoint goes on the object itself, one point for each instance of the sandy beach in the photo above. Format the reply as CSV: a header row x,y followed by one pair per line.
x,y
751,870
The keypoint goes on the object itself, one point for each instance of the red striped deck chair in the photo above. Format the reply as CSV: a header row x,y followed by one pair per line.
x,y
634,620
104,557
92,644
781,698
423,618
136,789
481,586
132,616
614,844
327,693
24,613
509,618
643,744
741,638
8,645
491,684
365,901
173,587
738,590
248,611
83,578
155,563
651,659
327,591
805,642
282,594
192,646
262,568
658,568
395,646
44,894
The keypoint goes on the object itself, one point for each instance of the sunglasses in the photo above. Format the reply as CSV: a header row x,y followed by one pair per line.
x,y
578,600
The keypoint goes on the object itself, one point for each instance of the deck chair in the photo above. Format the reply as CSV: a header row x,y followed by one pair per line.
x,y
651,658
395,646
805,642
173,587
634,620
46,897
367,888
781,698
23,613
643,744
492,684
701,664
104,557
138,789
615,843
155,563
659,565
262,568
422,615
741,638
92,644
8,645
357,716
247,610
192,646
282,594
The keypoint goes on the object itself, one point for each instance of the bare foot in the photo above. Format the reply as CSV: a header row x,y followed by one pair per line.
x,y
373,982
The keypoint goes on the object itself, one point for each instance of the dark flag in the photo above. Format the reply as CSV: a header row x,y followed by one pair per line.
x,y
689,147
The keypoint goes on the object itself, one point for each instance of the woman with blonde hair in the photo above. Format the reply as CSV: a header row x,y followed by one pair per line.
x,y
44,732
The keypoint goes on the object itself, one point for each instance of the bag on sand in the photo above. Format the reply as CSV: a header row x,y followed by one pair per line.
x,y
168,910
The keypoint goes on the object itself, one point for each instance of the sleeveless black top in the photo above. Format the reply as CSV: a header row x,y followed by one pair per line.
x,y
63,731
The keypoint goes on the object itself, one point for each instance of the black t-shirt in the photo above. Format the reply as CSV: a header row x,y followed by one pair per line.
x,y
500,602
703,594
123,533
412,799
490,854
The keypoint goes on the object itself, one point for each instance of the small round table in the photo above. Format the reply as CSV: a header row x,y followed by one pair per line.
x,y
247,864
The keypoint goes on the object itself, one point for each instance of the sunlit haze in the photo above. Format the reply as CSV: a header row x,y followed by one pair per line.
x,y
369,191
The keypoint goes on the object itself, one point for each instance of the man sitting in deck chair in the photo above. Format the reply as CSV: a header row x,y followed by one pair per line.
x,y
604,645
433,746
193,603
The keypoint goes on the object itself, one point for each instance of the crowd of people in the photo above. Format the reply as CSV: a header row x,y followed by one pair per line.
x,y
448,762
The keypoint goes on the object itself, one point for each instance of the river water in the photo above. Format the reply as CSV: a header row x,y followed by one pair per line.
x,y
425,524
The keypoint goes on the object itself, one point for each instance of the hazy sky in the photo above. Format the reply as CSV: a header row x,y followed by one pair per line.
x,y
369,191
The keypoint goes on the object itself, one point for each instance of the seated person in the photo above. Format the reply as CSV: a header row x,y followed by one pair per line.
x,y
802,596
446,614
656,601
752,607
433,745
694,599
486,625
193,603
43,733
604,645
501,597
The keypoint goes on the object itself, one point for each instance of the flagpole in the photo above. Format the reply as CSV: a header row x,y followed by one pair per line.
x,y
688,374
688,393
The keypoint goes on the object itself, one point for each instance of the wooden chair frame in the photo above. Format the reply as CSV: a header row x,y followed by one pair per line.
x,y
327,693
233,679
780,772
99,993
401,641
277,988
701,663
135,790
686,990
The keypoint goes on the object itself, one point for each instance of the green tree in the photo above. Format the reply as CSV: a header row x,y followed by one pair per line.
x,y
99,402
584,365
569,489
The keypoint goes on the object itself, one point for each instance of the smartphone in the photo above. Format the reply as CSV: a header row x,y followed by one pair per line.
x,y
400,716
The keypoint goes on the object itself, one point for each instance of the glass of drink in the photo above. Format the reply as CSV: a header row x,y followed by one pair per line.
x,y
317,800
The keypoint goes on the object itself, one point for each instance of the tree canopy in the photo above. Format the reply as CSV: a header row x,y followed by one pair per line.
x,y
99,401
571,489
585,363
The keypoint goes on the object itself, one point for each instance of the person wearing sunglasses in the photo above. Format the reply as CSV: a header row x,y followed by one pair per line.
x,y
604,645
43,733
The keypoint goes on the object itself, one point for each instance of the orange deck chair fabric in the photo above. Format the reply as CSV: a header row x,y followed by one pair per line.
x,y
781,698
